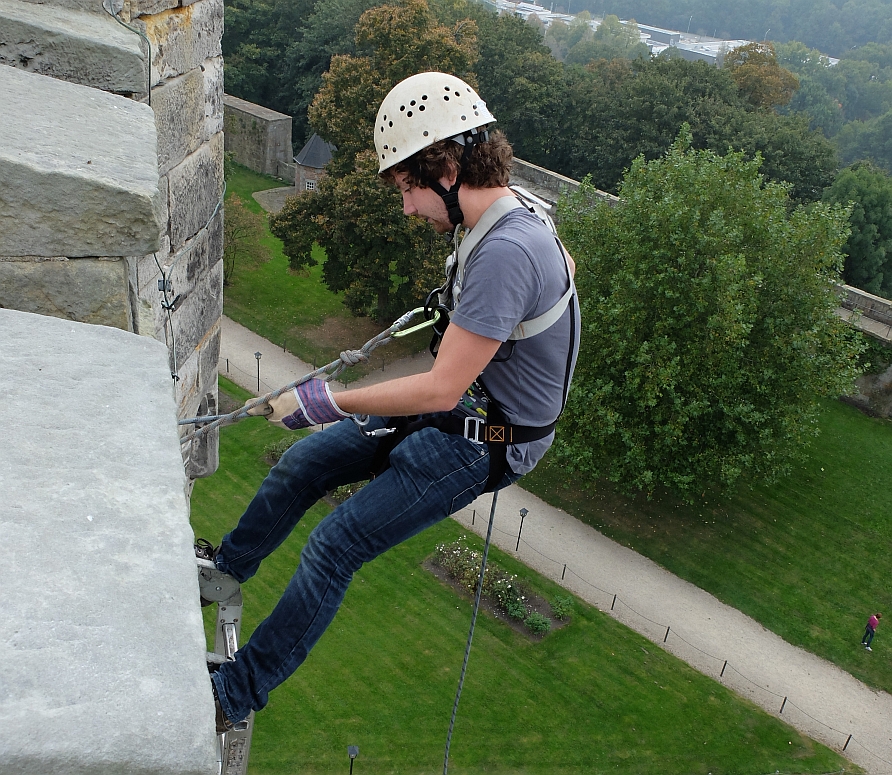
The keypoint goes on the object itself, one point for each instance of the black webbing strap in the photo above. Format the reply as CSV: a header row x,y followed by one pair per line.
x,y
494,431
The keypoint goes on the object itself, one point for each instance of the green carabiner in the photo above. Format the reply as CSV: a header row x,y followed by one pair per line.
x,y
420,326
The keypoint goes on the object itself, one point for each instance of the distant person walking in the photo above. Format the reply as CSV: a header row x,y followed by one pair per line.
x,y
870,630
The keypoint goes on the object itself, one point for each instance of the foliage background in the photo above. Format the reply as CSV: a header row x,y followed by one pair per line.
x,y
708,324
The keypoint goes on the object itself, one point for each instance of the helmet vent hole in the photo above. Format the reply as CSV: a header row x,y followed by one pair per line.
x,y
424,96
412,103
446,97
464,118
425,133
389,123
409,114
421,107
393,149
402,108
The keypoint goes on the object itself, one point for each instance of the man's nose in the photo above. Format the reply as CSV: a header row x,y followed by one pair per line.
x,y
408,207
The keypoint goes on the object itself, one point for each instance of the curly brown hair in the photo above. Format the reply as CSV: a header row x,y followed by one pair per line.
x,y
488,167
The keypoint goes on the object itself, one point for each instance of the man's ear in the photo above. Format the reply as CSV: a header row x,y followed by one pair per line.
x,y
448,180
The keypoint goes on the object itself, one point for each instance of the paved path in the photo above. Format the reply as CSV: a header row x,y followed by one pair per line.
x,y
817,697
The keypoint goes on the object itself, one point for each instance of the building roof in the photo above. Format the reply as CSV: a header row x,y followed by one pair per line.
x,y
316,153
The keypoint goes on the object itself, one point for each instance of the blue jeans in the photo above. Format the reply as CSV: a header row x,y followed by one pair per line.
x,y
431,475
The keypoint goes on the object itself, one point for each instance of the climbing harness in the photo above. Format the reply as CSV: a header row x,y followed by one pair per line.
x,y
329,372
487,423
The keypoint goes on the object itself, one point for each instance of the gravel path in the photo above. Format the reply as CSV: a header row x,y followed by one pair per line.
x,y
815,696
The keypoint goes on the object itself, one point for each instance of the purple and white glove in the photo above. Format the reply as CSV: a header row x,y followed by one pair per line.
x,y
310,403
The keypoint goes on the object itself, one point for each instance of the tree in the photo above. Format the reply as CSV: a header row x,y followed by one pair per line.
x,y
384,262
762,81
243,234
870,140
612,40
379,258
520,81
868,191
708,324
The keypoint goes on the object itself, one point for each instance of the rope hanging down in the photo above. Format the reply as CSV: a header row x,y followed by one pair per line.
x,y
332,370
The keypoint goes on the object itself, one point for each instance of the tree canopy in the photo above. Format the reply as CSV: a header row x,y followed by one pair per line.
x,y
759,76
708,323
378,257
869,248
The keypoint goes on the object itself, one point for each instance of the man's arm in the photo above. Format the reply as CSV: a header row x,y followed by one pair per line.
x,y
460,359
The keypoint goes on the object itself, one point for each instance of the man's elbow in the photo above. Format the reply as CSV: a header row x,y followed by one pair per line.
x,y
445,397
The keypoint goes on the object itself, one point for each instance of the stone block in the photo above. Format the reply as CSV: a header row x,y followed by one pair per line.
x,y
213,91
72,45
88,6
83,179
194,190
179,106
88,290
183,38
101,639
148,7
198,313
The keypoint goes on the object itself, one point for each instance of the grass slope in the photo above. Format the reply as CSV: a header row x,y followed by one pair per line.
x,y
807,557
593,697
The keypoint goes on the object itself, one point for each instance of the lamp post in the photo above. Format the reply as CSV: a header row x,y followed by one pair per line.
x,y
352,752
765,36
257,356
523,514
689,24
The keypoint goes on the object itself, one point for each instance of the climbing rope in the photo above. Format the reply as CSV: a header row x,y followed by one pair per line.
x,y
329,372
464,666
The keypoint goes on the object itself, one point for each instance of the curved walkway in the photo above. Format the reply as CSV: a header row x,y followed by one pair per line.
x,y
815,696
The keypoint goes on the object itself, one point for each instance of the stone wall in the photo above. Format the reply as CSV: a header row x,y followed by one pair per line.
x,y
258,138
112,163
101,639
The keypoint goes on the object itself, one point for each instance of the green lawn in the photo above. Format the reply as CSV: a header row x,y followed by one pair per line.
x,y
807,557
593,697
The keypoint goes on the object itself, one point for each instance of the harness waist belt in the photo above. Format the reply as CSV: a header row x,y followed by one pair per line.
x,y
478,430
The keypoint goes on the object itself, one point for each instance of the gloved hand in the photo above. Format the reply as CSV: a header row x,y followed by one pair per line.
x,y
310,403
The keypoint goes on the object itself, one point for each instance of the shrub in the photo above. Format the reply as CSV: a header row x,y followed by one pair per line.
x,y
562,607
340,494
537,623
506,593
278,448
517,610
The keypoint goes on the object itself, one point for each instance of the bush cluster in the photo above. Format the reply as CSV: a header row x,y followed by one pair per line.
x,y
504,590
278,448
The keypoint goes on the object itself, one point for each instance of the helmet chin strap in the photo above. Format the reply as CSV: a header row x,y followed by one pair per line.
x,y
450,197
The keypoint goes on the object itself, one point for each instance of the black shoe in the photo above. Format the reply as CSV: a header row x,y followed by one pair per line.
x,y
205,550
224,725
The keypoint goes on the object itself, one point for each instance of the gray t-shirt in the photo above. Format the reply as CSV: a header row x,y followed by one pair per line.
x,y
515,274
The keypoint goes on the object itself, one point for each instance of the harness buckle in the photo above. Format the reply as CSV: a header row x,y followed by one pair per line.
x,y
475,429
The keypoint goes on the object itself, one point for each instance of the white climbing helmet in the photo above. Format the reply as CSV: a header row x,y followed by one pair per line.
x,y
422,110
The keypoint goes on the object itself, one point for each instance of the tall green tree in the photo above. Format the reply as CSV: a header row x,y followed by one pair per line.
x,y
759,76
378,257
868,191
708,324
867,140
612,40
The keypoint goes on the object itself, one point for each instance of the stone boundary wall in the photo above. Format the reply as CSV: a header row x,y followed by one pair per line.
x,y
111,211
258,138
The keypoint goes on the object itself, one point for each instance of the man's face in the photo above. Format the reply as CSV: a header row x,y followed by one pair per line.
x,y
424,203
